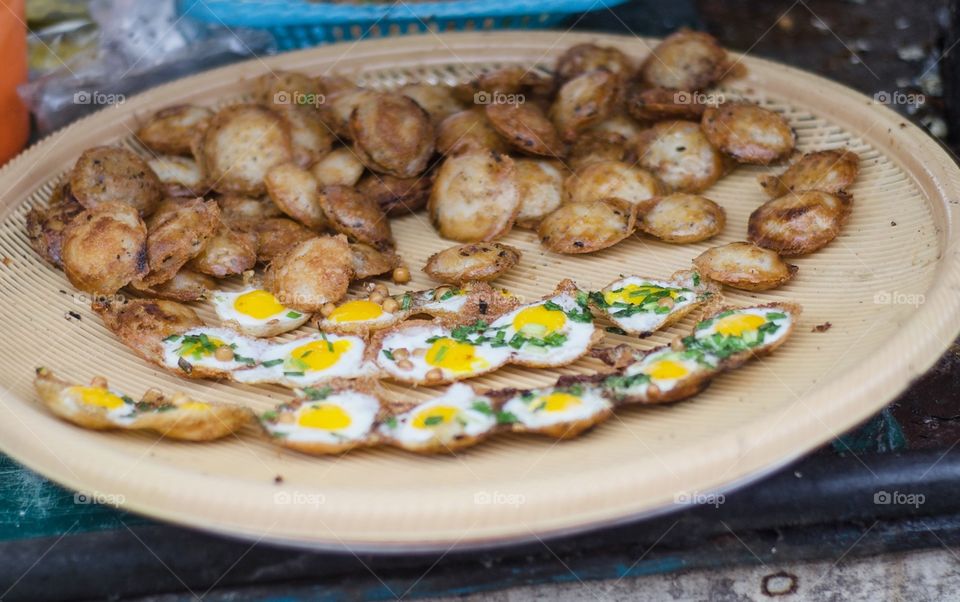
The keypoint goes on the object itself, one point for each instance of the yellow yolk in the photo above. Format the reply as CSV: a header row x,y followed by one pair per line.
x,y
92,396
633,294
194,405
454,356
320,355
356,311
258,305
736,325
539,321
667,370
434,416
328,417
556,402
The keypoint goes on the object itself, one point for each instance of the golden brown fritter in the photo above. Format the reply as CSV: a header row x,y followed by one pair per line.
x,y
142,324
311,274
392,134
683,218
594,146
799,223
106,174
339,167
180,176
580,58
170,130
242,143
748,133
467,131
358,216
474,261
526,128
679,154
832,171
512,80
587,226
369,262
104,248
654,104
294,190
237,209
338,108
540,186
475,197
45,226
310,137
185,286
276,235
227,253
745,266
584,101
397,196
176,233
613,179
685,60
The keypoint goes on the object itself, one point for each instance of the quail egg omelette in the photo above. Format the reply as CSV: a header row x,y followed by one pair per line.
x,y
554,331
326,420
310,360
662,374
733,335
429,352
98,406
642,305
256,312
207,352
458,418
557,411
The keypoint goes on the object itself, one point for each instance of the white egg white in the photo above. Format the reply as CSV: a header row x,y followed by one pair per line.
x,y
360,407
533,409
578,336
427,302
648,319
284,320
121,415
418,340
472,415
384,320
246,350
278,365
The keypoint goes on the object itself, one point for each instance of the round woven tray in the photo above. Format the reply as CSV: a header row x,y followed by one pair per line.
x,y
888,286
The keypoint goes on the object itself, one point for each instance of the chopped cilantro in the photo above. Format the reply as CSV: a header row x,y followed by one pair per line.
x,y
482,407
293,315
317,393
506,418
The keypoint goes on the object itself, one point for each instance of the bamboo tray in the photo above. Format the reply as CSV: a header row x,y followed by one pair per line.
x,y
888,285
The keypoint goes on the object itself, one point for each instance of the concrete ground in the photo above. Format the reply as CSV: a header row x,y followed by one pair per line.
x,y
928,575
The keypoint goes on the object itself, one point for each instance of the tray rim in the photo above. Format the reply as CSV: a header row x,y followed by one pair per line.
x,y
937,166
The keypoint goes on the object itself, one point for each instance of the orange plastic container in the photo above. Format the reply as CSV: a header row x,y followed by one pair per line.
x,y
14,117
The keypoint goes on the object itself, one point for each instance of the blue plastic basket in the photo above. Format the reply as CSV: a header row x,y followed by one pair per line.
x,y
301,23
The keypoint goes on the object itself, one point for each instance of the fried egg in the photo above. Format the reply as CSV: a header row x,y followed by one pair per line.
x,y
732,335
457,419
97,406
363,315
310,360
552,332
113,406
560,412
211,352
642,305
422,352
256,312
661,375
327,421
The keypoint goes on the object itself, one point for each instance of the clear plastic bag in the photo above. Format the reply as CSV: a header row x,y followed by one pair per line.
x,y
141,44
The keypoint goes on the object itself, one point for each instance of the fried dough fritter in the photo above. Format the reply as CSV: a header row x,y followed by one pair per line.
x,y
104,248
